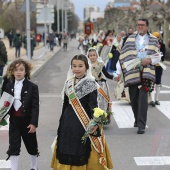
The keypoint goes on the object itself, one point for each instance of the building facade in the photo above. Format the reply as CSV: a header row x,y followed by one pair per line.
x,y
88,9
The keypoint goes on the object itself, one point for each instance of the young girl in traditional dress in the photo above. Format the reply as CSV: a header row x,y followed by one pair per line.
x,y
80,97
99,72
24,113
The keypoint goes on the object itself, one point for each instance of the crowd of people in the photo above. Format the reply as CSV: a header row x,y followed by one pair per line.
x,y
106,56
86,98
116,48
51,39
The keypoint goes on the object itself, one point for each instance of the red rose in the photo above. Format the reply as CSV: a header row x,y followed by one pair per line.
x,y
146,89
6,103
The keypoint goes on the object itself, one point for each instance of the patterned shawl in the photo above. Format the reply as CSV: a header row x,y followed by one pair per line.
x,y
129,52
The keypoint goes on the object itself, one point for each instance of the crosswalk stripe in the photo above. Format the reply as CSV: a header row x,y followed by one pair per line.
x,y
150,161
123,114
164,91
166,86
164,107
5,164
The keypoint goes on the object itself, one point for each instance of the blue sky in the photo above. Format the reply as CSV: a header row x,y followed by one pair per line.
x,y
80,4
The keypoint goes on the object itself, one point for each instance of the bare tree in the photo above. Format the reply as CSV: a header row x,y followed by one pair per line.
x,y
13,18
4,4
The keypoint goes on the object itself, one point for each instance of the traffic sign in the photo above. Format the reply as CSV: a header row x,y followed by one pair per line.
x,y
32,6
45,16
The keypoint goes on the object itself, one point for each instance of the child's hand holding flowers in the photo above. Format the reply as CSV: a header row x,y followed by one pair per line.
x,y
99,118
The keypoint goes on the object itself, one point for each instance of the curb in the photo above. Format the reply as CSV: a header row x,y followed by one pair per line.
x,y
43,64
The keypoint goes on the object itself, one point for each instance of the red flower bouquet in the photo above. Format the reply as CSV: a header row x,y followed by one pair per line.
x,y
3,110
147,85
5,104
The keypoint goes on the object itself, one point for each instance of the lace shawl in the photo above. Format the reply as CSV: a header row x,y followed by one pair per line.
x,y
84,87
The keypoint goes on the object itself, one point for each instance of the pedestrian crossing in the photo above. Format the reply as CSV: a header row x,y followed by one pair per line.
x,y
124,118
152,161
5,164
164,107
123,115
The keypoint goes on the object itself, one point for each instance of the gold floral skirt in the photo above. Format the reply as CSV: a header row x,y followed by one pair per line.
x,y
93,162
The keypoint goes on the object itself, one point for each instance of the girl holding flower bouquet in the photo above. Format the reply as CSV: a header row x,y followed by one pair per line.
x,y
80,97
24,112
100,73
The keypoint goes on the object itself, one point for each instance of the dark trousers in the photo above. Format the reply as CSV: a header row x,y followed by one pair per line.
x,y
17,51
10,43
158,74
80,44
1,70
139,103
51,45
65,46
17,130
59,41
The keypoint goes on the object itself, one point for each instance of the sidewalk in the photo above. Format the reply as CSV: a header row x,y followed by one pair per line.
x,y
41,56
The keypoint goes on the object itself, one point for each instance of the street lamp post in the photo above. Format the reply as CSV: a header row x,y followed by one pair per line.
x,y
58,16
45,27
62,14
28,29
66,15
66,20
49,3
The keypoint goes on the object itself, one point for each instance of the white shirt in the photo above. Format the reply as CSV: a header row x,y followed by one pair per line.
x,y
17,93
17,89
141,39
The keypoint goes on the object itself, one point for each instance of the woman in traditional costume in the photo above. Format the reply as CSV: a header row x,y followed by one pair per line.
x,y
107,43
100,74
114,52
100,38
80,97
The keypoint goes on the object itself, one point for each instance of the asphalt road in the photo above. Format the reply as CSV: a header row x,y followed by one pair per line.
x,y
129,151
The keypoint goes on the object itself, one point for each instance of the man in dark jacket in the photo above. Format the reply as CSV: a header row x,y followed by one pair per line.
x,y
130,32
51,38
10,38
17,41
3,57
